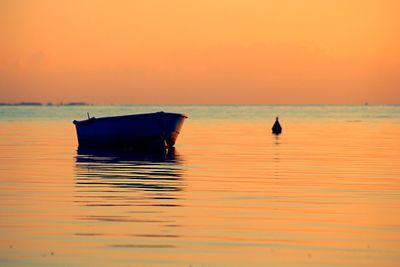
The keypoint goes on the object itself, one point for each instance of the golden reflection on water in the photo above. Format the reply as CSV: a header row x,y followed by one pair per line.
x,y
232,194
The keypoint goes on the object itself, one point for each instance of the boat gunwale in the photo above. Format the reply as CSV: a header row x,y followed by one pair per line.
x,y
94,119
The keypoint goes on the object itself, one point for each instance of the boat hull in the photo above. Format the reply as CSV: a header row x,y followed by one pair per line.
x,y
131,132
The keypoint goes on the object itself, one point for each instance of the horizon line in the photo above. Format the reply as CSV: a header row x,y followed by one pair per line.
x,y
80,103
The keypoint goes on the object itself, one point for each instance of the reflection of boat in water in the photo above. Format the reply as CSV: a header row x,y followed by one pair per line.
x,y
110,155
120,171
141,192
130,132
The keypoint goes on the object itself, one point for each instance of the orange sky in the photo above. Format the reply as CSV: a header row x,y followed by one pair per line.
x,y
200,52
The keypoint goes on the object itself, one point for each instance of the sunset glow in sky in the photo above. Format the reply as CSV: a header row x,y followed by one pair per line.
x,y
200,52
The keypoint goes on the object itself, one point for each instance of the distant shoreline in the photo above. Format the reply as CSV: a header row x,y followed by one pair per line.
x,y
45,104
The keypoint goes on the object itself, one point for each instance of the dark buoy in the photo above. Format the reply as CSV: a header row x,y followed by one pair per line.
x,y
276,129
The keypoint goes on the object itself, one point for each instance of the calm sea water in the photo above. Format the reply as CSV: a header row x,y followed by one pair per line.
x,y
324,193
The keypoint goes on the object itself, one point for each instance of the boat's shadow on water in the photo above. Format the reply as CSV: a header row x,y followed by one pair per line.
x,y
112,171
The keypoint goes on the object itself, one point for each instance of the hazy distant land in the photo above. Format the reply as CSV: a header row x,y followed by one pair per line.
x,y
45,104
